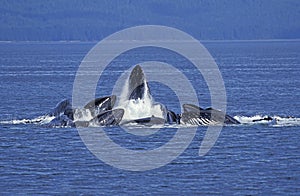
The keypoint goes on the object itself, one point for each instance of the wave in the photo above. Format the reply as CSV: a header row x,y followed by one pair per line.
x,y
274,121
44,119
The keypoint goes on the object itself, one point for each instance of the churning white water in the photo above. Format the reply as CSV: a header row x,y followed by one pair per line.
x,y
82,115
140,108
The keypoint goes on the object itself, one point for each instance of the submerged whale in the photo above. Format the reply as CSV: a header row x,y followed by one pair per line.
x,y
103,112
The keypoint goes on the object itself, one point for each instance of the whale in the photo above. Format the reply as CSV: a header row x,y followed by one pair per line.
x,y
102,111
106,118
137,85
101,104
196,115
147,121
138,88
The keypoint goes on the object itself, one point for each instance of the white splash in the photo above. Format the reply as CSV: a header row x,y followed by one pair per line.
x,y
140,108
277,121
38,120
82,115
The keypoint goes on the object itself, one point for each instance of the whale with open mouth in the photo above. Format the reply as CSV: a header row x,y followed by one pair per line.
x,y
138,107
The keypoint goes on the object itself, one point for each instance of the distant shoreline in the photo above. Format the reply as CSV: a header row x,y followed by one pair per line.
x,y
202,41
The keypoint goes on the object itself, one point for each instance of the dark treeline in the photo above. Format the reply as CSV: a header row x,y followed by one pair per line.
x,y
93,20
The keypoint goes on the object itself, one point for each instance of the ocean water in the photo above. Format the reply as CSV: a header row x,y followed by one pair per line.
x,y
261,79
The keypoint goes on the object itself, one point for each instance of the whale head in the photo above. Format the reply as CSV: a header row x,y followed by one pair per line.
x,y
137,85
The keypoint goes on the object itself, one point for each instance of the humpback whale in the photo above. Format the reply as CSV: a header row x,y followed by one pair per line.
x,y
97,112
147,121
101,104
138,87
195,115
103,112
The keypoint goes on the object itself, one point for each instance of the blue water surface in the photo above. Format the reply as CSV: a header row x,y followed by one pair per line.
x,y
261,78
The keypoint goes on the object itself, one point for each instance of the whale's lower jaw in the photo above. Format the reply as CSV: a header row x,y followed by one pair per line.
x,y
195,115
189,118
199,120
148,121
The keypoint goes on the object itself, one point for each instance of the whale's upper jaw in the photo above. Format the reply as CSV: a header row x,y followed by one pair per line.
x,y
137,85
101,104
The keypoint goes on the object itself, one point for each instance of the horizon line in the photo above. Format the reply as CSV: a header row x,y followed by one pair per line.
x,y
95,41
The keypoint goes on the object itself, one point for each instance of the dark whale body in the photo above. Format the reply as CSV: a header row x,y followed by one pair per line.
x,y
103,113
100,109
137,85
198,116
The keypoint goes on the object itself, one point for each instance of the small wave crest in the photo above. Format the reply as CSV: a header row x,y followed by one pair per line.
x,y
38,120
275,121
